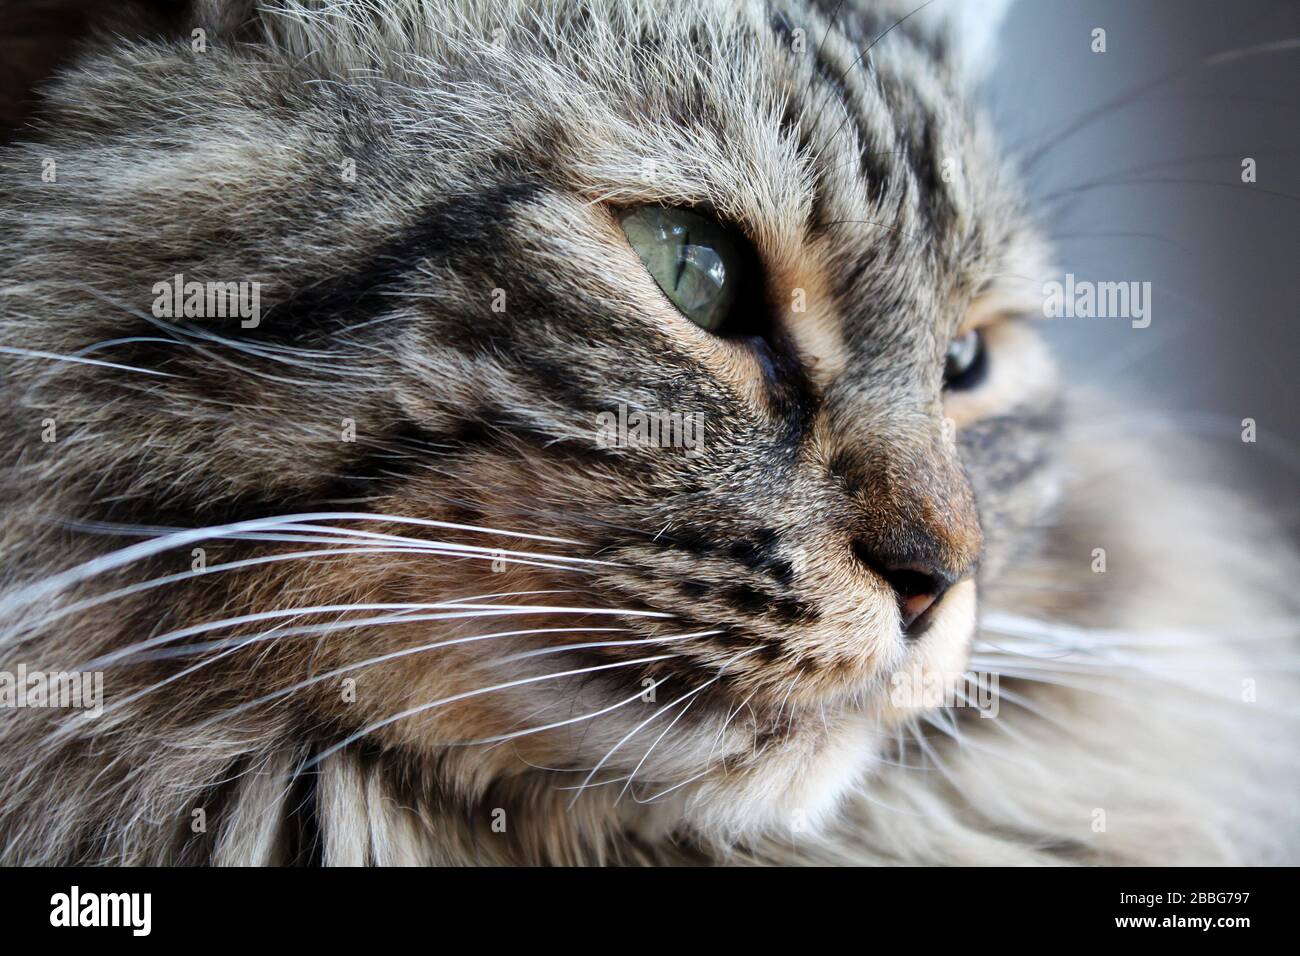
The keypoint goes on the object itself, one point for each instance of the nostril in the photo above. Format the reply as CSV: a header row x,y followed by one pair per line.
x,y
910,583
917,593
916,587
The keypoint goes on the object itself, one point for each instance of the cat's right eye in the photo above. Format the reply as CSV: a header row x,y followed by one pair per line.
x,y
965,362
693,258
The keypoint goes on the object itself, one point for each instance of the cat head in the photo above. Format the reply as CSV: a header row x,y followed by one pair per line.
x,y
656,375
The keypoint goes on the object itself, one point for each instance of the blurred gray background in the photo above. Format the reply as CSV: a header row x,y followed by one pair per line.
x,y
1222,256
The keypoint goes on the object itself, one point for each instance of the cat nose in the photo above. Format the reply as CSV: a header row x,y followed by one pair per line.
x,y
912,519
918,586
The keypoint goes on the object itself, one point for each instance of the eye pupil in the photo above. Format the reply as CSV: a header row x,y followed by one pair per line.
x,y
965,362
691,257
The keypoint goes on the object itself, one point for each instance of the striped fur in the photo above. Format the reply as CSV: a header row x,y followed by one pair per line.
x,y
708,670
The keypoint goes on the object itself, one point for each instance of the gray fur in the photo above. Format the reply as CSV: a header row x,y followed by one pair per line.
x,y
492,143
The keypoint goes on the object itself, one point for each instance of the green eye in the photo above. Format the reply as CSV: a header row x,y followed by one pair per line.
x,y
692,257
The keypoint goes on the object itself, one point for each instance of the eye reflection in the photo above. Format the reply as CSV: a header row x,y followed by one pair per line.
x,y
965,362
691,257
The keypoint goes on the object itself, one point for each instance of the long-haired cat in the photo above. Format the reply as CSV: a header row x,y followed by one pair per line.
x,y
589,432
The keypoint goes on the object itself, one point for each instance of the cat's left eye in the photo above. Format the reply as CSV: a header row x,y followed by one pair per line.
x,y
693,258
963,367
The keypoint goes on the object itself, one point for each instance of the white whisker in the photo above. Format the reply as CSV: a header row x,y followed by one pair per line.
x,y
672,638
634,731
447,610
393,655
54,356
559,723
176,539
422,708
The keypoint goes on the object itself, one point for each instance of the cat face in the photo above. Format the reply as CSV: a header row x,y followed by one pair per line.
x,y
737,539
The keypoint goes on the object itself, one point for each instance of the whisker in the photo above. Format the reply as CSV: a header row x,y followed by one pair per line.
x,y
445,611
708,763
423,708
676,786
76,360
1024,702
635,730
649,750
525,655
62,611
407,652
182,333
1136,93
1163,181
1081,637
640,693
175,539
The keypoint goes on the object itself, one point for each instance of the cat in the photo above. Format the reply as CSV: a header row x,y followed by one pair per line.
x,y
392,569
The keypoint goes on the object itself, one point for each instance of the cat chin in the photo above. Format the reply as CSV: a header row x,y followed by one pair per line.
x,y
794,793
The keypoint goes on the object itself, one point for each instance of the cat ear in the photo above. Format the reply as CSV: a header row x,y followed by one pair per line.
x,y
972,26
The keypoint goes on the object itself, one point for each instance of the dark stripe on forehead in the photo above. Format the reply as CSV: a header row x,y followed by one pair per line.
x,y
864,24
467,227
324,312
780,23
897,130
923,162
873,148
919,132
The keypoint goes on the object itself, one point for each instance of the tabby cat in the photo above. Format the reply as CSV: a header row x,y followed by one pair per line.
x,y
585,432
